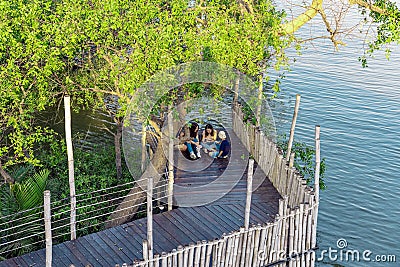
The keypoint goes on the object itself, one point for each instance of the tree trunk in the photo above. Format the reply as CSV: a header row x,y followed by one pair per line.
x,y
117,143
5,175
127,209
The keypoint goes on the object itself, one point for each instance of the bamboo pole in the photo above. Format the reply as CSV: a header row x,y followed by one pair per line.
x,y
150,216
239,247
248,193
235,251
47,227
164,261
174,258
259,98
203,253
317,162
71,175
170,159
180,256
236,89
144,153
209,253
169,259
156,260
256,244
250,247
291,236
145,250
296,111
197,254
262,247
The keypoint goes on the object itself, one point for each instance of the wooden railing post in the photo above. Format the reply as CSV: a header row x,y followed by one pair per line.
x,y
259,99
47,227
71,175
236,89
248,194
296,111
170,159
144,152
317,162
150,217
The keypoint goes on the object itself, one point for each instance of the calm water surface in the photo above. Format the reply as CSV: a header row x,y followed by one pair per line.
x,y
359,113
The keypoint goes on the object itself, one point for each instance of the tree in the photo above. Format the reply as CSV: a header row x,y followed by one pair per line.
x,y
382,14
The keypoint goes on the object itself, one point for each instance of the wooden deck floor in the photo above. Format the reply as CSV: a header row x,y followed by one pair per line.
x,y
216,188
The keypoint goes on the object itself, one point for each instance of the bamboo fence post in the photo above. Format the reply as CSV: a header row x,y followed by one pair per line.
x,y
150,216
317,162
239,247
304,236
309,231
145,250
301,234
228,251
203,253
169,259
291,160
297,236
180,256
248,193
235,251
262,245
291,236
191,254
243,250
209,252
316,191
156,260
174,258
236,89
185,257
164,262
256,244
47,227
296,111
144,153
197,255
250,247
71,175
268,247
170,159
259,98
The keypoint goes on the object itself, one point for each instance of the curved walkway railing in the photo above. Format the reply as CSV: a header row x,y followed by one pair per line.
x,y
288,241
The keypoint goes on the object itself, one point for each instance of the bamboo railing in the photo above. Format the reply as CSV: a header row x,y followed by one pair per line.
x,y
288,241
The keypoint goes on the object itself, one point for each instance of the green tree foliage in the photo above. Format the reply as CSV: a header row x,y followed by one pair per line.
x,y
101,51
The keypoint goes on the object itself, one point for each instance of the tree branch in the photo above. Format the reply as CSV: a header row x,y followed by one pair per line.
x,y
5,175
292,26
330,30
369,6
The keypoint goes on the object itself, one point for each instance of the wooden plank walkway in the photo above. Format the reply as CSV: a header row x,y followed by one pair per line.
x,y
205,181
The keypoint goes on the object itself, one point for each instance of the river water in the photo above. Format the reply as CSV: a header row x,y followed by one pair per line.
x,y
358,110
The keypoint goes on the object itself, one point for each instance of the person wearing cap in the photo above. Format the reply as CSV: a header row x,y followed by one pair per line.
x,y
224,147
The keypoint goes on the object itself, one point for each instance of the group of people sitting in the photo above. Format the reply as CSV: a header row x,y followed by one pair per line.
x,y
211,145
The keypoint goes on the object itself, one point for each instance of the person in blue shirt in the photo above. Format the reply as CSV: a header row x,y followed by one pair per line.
x,y
224,147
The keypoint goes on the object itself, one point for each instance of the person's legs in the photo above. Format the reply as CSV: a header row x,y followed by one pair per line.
x,y
213,154
189,147
209,146
196,149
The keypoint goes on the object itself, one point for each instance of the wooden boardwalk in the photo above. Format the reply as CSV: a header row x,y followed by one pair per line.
x,y
216,187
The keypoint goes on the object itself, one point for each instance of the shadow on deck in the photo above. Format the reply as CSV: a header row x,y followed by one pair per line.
x,y
211,195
